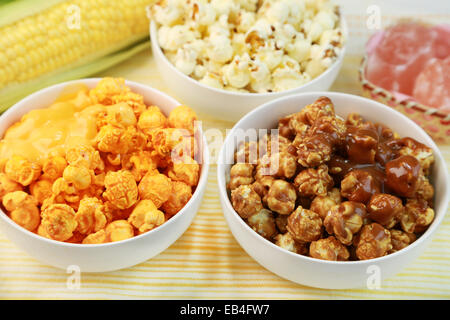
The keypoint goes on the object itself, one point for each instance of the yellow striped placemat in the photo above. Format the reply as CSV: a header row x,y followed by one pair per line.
x,y
207,262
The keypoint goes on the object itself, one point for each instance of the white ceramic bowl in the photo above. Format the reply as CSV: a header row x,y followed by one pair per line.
x,y
108,256
309,271
224,104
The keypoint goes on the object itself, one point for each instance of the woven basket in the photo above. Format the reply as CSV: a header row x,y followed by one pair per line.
x,y
436,123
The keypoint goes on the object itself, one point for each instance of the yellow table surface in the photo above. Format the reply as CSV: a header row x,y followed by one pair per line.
x,y
207,262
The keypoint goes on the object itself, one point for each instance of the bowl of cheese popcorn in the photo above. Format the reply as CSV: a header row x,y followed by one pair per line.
x,y
331,190
225,58
99,173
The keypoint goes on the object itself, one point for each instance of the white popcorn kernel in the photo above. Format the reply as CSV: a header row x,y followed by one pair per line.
x,y
260,77
316,52
306,25
224,7
219,49
172,38
202,13
284,35
299,49
262,28
220,27
245,21
325,19
330,36
237,74
288,75
286,79
315,31
297,9
277,12
249,5
327,62
271,58
314,68
238,43
233,89
213,66
212,80
199,71
186,59
169,14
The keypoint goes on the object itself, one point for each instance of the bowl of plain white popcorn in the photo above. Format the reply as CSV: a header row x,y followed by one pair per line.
x,y
225,58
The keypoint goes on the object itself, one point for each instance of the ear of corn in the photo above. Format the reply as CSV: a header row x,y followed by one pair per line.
x,y
46,42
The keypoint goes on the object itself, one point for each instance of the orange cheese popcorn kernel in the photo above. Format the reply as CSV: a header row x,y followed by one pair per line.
x,y
85,156
180,195
134,100
151,119
22,209
120,114
106,89
139,163
53,167
95,238
165,141
22,171
59,221
119,230
182,117
186,171
146,216
121,189
90,216
41,190
7,185
79,177
155,187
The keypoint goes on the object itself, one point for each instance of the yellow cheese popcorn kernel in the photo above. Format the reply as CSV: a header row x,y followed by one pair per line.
x,y
151,119
41,190
121,114
115,139
178,198
146,216
59,221
53,167
23,209
139,163
7,185
182,117
163,141
155,187
85,156
90,216
76,238
106,89
42,232
119,230
186,170
62,192
95,238
22,171
121,189
133,100
79,177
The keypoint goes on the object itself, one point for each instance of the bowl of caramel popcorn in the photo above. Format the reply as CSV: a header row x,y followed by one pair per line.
x,y
99,173
323,188
227,57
